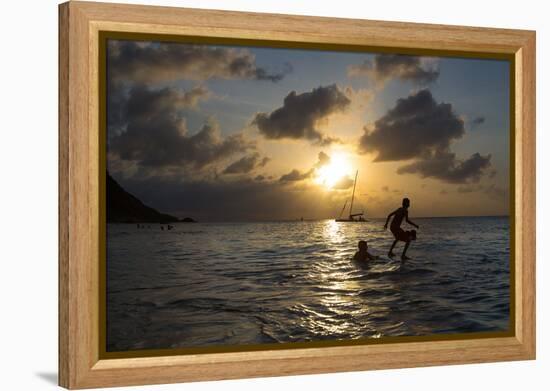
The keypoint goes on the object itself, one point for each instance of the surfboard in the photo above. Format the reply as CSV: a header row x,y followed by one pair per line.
x,y
381,265
387,265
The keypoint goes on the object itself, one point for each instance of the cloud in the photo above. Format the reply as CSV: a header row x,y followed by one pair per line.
x,y
139,100
467,189
385,67
156,133
116,107
301,114
322,160
446,167
296,175
492,191
416,125
144,101
386,189
235,199
160,62
246,164
343,183
422,129
477,121
172,145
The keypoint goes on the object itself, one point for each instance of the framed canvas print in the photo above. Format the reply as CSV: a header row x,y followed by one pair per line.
x,y
251,195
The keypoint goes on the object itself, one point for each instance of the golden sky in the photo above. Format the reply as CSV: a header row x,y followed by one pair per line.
x,y
240,133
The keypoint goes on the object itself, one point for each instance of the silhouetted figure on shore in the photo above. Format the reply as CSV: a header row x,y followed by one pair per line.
x,y
170,227
363,254
162,228
398,232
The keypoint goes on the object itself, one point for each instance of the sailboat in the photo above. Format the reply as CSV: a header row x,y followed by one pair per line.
x,y
352,217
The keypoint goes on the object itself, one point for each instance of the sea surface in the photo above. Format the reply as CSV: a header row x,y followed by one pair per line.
x,y
213,284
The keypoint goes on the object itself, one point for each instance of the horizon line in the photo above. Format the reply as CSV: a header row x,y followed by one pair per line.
x,y
331,218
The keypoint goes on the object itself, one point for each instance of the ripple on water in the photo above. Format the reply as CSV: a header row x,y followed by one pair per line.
x,y
250,283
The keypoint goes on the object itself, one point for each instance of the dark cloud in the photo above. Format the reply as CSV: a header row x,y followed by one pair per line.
x,y
127,103
416,125
322,159
419,128
395,66
296,175
327,140
300,115
143,101
116,107
156,133
446,167
478,121
229,200
246,164
159,62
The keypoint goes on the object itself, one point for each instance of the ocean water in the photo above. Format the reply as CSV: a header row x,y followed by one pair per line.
x,y
212,284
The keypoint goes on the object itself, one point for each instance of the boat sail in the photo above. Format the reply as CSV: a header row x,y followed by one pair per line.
x,y
353,217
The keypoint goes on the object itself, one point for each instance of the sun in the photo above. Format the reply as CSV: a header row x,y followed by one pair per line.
x,y
338,168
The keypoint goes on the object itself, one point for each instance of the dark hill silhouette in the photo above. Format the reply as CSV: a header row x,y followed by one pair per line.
x,y
123,207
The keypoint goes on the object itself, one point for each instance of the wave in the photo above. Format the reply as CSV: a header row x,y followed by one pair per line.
x,y
241,283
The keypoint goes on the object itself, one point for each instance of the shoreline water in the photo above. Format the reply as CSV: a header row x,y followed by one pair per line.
x,y
211,284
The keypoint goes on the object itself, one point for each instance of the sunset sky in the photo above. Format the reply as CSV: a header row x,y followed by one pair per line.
x,y
240,133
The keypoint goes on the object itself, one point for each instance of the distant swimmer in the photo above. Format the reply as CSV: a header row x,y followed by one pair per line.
x,y
397,231
363,254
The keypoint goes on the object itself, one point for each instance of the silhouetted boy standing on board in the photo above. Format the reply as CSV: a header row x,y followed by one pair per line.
x,y
397,231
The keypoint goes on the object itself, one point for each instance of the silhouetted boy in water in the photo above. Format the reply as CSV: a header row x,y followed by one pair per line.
x,y
363,255
397,231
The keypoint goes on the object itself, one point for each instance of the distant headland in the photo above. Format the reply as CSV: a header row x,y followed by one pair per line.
x,y
123,207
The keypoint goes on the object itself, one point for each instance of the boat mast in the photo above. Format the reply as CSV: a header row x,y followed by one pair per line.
x,y
343,209
353,194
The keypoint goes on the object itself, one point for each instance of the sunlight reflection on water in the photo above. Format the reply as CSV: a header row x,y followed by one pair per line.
x,y
240,283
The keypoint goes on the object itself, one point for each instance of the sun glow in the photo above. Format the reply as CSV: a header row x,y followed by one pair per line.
x,y
337,169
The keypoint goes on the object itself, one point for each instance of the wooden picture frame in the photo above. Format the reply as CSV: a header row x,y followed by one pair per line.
x,y
81,364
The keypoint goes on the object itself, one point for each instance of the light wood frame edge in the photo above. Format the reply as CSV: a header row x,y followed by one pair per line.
x,y
79,364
